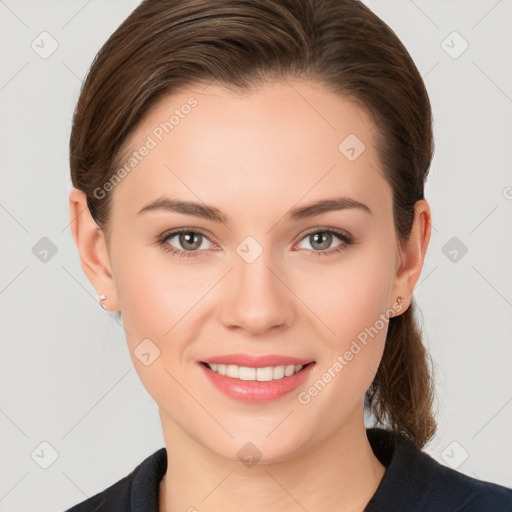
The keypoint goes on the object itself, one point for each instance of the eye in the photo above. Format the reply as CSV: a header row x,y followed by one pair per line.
x,y
184,242
187,242
321,241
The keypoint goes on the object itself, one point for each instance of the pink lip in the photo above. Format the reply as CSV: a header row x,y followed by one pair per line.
x,y
256,391
257,361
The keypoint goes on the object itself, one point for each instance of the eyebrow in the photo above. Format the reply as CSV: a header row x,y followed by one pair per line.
x,y
214,214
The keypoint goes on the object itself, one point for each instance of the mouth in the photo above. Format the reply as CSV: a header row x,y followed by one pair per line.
x,y
256,379
259,374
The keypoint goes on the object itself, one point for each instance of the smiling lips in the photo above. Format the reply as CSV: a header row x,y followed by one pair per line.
x,y
256,378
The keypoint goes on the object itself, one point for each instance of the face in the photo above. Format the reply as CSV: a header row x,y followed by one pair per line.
x,y
258,281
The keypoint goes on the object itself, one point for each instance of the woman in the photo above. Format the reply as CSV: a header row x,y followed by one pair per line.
x,y
249,195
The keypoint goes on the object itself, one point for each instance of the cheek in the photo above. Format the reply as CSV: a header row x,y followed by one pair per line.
x,y
156,295
352,303
351,295
158,301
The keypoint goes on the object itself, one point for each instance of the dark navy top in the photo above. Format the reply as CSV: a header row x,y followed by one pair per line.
x,y
413,482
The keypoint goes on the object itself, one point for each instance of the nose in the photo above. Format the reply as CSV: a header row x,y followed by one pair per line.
x,y
255,297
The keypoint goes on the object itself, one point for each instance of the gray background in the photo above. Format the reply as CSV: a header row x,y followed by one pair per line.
x,y
66,377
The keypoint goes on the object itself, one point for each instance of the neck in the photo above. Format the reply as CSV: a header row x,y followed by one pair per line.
x,y
340,473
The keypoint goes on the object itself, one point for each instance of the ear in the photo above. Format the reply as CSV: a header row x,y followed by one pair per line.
x,y
412,254
92,247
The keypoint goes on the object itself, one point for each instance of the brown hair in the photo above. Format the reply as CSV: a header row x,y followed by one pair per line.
x,y
167,45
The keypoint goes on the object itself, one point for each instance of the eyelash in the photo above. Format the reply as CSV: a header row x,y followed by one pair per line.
x,y
344,237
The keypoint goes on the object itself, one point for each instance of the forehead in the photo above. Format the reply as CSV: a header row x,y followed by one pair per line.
x,y
280,141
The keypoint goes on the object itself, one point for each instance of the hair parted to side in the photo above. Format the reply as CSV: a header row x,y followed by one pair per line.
x,y
166,45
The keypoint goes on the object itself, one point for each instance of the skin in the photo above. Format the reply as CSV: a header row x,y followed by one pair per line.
x,y
256,156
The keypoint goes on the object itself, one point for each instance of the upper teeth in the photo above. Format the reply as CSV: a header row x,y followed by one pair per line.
x,y
261,374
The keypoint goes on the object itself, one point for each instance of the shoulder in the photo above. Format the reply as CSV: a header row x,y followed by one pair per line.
x,y
114,498
466,494
139,486
414,481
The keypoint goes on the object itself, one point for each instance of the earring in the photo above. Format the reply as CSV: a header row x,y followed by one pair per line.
x,y
102,298
399,302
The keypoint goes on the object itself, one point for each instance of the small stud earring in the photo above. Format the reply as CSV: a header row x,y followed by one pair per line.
x,y
399,302
102,298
